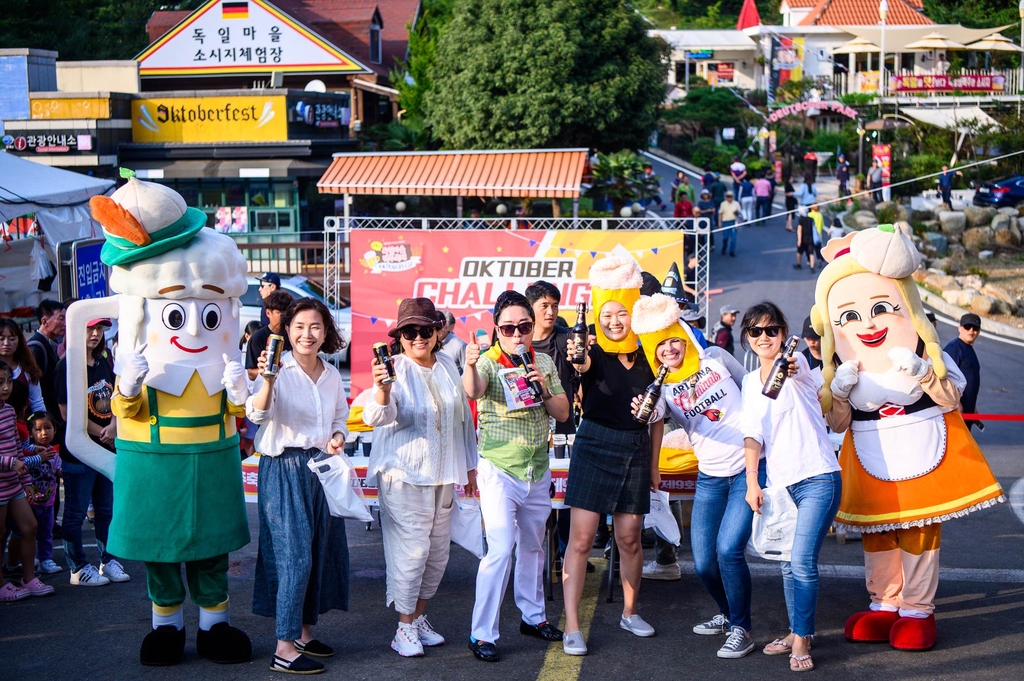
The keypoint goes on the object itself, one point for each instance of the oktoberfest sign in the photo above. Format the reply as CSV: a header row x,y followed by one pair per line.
x,y
800,107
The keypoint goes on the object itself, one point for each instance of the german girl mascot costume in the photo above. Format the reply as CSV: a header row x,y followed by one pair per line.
x,y
909,462
178,494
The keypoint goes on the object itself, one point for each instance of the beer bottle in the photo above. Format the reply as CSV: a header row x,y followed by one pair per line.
x,y
383,355
580,336
651,397
780,370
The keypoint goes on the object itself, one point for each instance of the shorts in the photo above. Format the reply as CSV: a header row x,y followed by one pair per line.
x,y
806,248
791,203
19,495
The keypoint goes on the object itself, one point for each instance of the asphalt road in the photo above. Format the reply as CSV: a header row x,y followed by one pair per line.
x,y
95,633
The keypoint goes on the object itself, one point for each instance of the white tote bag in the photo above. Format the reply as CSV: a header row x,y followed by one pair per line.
x,y
774,529
467,526
341,487
661,519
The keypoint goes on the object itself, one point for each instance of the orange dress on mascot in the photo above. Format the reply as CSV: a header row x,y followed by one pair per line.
x,y
909,463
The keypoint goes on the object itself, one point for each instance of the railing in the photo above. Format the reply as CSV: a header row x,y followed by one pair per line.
x,y
286,254
840,84
658,223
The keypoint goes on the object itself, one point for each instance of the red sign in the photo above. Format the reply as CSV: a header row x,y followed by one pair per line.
x,y
726,70
937,83
883,154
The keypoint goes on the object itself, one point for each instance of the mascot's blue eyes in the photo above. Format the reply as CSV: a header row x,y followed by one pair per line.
x,y
174,316
211,316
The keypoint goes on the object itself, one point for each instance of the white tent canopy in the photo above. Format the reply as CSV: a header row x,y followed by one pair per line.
x,y
28,187
952,118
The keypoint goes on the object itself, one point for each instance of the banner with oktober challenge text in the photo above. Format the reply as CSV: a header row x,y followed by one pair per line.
x,y
464,271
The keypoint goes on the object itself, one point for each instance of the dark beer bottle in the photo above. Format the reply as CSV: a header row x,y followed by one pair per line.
x,y
780,370
580,336
651,397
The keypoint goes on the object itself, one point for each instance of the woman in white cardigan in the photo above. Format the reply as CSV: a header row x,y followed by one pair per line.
x,y
423,445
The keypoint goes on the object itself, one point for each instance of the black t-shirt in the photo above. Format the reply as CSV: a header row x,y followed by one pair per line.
x,y
806,227
257,344
46,359
609,389
100,394
966,359
554,346
811,359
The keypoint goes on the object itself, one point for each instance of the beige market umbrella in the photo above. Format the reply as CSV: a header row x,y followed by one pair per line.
x,y
996,42
935,41
857,46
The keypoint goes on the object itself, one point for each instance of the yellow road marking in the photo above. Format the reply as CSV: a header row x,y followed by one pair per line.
x,y
557,665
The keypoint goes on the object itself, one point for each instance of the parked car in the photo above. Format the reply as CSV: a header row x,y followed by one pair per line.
x,y
299,287
1007,192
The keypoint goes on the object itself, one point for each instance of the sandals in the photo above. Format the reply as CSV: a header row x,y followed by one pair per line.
x,y
796,660
778,647
11,592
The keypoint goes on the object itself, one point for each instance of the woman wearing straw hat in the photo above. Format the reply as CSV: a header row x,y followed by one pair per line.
x,y
702,394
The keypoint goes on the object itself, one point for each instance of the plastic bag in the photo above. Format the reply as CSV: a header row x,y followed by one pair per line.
x,y
773,530
342,488
661,519
467,526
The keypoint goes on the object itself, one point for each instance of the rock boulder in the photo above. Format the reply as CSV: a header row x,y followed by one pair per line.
x,y
978,216
978,239
986,305
953,224
937,241
864,219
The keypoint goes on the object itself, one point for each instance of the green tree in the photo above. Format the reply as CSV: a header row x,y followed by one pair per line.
x,y
705,109
620,177
412,79
546,73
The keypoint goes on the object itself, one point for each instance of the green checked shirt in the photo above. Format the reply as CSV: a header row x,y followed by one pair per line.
x,y
516,442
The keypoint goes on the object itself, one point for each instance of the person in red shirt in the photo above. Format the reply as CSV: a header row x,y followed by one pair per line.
x,y
683,209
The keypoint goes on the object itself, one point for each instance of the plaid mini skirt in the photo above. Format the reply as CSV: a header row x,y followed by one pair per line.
x,y
610,470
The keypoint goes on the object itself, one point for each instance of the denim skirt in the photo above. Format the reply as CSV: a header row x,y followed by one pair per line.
x,y
610,470
302,563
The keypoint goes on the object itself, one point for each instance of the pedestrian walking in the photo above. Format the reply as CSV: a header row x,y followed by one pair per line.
x,y
791,203
745,194
729,213
763,197
843,175
946,184
738,171
961,349
805,240
875,180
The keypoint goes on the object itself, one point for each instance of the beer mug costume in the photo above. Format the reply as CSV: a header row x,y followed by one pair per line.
x,y
909,463
178,496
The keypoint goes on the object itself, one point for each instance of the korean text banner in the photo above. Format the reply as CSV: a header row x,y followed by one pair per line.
x,y
210,119
464,271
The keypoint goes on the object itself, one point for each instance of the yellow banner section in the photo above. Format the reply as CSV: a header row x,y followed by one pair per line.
x,y
70,109
210,119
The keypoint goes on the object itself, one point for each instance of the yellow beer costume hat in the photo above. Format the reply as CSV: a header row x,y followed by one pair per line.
x,y
620,281
656,319
677,456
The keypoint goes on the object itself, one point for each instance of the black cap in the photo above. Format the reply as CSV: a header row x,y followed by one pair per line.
x,y
271,278
649,285
809,331
970,318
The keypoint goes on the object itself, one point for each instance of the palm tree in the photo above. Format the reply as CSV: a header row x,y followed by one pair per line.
x,y
620,177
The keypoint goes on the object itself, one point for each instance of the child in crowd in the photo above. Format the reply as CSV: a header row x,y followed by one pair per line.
x,y
13,479
43,492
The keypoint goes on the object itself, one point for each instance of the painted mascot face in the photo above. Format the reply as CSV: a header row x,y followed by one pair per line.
x,y
869,318
189,332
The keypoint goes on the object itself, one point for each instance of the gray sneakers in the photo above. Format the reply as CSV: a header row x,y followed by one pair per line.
x,y
573,643
737,645
636,625
716,625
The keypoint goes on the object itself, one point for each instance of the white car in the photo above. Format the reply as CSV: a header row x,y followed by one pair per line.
x,y
299,287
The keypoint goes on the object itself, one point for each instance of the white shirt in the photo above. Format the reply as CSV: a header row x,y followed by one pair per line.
x,y
791,429
425,434
708,406
301,413
737,167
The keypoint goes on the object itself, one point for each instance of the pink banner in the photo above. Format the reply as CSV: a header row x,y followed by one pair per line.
x,y
937,83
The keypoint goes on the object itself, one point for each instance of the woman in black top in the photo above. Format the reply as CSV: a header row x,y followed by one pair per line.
x,y
611,470
791,203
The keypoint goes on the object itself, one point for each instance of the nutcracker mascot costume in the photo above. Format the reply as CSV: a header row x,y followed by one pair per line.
x,y
909,462
178,494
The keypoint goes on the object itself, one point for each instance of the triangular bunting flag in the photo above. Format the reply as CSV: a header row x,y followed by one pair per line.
x,y
463,319
561,251
654,251
373,320
593,254
532,242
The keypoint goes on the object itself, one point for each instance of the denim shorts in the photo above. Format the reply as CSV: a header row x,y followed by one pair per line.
x,y
19,495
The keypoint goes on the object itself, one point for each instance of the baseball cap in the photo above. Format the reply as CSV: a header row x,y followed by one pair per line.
x,y
102,321
691,314
809,331
705,191
271,278
729,309
970,318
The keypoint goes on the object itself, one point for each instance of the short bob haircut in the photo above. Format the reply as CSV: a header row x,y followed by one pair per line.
x,y
333,342
765,310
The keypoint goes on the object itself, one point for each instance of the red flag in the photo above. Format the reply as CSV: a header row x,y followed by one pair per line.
x,y
748,16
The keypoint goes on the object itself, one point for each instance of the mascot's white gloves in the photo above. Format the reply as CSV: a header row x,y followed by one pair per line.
x,y
134,368
234,381
846,377
904,359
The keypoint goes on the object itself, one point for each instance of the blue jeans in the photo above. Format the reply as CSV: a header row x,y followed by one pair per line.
x,y
729,234
764,206
82,483
719,533
817,500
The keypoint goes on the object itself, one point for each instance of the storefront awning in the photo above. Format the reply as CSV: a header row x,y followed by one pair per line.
x,y
952,118
248,168
897,37
532,173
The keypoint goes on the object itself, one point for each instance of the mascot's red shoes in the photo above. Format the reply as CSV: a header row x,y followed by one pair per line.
x,y
911,633
870,626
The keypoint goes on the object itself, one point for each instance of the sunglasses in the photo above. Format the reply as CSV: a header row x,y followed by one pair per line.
x,y
972,327
509,330
409,333
770,331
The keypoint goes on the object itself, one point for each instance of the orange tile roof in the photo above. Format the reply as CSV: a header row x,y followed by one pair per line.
x,y
800,4
864,13
534,173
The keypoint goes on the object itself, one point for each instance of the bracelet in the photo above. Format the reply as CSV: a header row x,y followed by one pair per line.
x,y
753,470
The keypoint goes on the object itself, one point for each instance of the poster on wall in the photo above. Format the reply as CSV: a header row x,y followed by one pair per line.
x,y
231,220
787,63
464,271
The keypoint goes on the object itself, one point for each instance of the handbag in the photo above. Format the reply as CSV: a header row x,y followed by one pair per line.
x,y
342,488
661,519
467,526
774,529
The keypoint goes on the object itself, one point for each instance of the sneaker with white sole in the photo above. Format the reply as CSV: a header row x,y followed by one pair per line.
x,y
636,625
48,567
428,636
573,643
718,624
113,571
407,641
668,573
36,588
88,576
737,645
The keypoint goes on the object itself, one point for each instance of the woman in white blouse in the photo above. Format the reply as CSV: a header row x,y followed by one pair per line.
x,y
302,564
790,430
424,444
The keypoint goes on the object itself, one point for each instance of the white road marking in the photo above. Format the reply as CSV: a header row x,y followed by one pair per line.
x,y
1016,497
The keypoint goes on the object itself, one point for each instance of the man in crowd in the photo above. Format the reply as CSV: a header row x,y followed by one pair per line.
x,y
452,345
717,189
43,344
946,184
738,170
875,180
274,307
961,349
763,197
269,283
843,175
681,187
722,333
813,341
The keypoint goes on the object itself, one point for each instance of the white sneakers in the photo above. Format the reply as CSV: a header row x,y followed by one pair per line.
x,y
428,636
668,573
637,626
407,642
114,572
88,576
48,567
573,643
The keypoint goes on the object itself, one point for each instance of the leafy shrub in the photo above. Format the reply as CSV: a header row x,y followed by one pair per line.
x,y
888,214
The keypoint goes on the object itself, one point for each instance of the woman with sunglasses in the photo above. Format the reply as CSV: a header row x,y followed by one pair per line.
x,y
789,432
512,473
424,444
613,466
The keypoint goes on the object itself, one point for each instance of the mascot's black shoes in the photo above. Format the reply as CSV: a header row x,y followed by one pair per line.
x,y
163,647
223,644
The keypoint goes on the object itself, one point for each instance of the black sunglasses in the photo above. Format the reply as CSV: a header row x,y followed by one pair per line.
x,y
972,327
509,330
770,331
409,333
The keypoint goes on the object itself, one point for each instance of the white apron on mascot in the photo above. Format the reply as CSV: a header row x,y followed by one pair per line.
x,y
909,463
178,494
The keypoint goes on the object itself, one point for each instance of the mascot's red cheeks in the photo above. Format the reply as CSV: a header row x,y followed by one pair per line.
x,y
873,339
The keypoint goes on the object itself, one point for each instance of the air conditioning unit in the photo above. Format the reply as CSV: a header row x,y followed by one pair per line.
x,y
332,223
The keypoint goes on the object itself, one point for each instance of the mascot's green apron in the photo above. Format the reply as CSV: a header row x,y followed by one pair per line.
x,y
178,476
